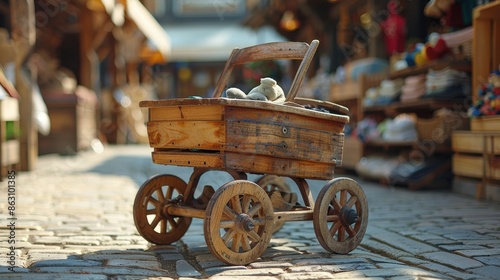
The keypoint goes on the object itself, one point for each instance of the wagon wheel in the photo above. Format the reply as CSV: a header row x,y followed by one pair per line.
x,y
238,222
150,216
340,215
274,183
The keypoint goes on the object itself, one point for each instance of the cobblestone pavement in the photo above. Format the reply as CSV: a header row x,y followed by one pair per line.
x,y
74,221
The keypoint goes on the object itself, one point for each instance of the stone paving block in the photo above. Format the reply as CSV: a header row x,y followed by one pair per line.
x,y
442,269
171,257
478,253
219,277
219,269
65,262
489,260
4,270
127,277
452,260
100,270
253,272
490,271
185,269
134,263
385,250
283,265
307,275
52,276
401,242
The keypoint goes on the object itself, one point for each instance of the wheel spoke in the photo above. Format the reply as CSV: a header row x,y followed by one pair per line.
x,y
335,228
254,236
155,202
228,236
151,212
343,197
256,207
245,243
226,224
172,222
352,200
236,204
231,215
341,234
163,226
159,194
169,193
336,205
236,243
155,222
350,231
245,203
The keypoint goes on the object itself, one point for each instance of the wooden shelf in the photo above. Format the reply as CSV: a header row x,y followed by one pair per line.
x,y
427,148
464,66
427,104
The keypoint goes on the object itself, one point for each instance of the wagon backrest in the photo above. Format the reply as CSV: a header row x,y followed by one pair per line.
x,y
271,51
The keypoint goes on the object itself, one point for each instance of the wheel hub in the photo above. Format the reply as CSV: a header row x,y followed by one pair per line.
x,y
347,216
244,222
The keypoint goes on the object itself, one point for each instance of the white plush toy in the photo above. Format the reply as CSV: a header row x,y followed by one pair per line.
x,y
268,90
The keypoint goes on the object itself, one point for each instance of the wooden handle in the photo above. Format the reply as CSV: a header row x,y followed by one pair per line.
x,y
301,72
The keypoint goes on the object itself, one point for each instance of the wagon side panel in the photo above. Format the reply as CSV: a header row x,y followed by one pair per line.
x,y
283,135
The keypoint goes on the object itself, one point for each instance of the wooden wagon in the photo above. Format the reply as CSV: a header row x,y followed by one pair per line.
x,y
300,139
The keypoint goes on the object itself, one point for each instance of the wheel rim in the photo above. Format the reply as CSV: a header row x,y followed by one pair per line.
x,y
238,222
150,216
340,216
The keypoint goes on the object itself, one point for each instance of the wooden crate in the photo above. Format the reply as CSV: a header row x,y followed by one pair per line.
x,y
485,43
476,166
10,156
73,124
477,155
473,142
486,124
245,135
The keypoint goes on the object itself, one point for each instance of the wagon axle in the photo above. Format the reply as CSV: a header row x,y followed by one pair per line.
x,y
244,222
348,216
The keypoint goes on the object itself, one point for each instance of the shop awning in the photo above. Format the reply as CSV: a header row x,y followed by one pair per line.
x,y
149,27
214,41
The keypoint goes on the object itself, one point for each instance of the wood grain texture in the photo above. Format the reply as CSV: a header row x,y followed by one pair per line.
x,y
205,135
186,112
239,103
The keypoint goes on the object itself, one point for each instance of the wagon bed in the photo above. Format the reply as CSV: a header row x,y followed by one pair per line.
x,y
246,135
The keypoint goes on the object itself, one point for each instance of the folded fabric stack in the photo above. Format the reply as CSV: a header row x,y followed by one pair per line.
x,y
447,83
401,128
414,87
389,91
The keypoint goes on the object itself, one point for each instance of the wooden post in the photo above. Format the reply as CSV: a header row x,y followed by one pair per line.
x,y
24,36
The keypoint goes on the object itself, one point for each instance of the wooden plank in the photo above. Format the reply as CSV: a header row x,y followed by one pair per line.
x,y
285,119
205,135
290,141
189,158
486,123
243,103
10,153
187,112
472,166
279,166
472,142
